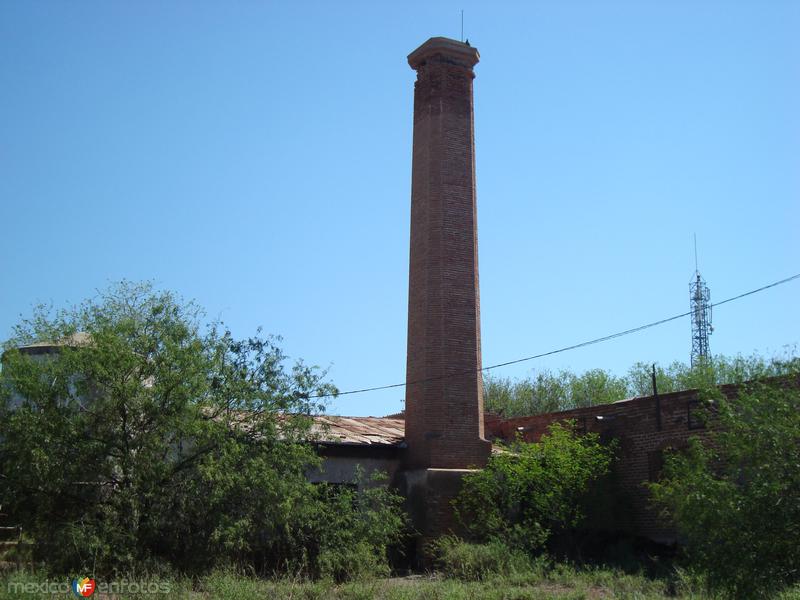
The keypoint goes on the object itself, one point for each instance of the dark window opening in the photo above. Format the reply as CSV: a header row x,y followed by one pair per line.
x,y
695,417
655,465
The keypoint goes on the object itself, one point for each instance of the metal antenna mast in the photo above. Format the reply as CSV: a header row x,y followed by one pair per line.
x,y
700,306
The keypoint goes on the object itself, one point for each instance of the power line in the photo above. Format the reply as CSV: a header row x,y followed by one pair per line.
x,y
605,338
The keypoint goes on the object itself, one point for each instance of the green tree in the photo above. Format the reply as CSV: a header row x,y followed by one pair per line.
x,y
547,391
714,370
596,386
529,492
511,397
146,439
736,499
551,392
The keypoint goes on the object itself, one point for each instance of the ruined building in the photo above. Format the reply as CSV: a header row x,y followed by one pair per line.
x,y
443,426
444,431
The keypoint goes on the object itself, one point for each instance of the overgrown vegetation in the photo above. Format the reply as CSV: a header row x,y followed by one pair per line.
x,y
544,581
531,492
547,391
149,442
467,561
736,499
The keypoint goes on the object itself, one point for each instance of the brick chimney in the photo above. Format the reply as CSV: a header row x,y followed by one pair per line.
x,y
444,395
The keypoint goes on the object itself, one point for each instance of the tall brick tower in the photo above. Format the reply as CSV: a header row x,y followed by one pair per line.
x,y
444,397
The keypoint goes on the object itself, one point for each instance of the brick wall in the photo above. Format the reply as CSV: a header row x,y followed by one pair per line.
x,y
644,427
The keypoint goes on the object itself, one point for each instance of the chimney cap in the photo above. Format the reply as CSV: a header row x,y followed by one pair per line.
x,y
454,51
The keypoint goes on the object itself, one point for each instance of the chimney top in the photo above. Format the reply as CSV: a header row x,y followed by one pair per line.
x,y
449,50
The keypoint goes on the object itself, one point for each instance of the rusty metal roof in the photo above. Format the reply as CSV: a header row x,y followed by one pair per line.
x,y
360,431
79,338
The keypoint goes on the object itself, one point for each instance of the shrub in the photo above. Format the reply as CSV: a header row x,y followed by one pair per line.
x,y
355,528
350,563
736,499
529,492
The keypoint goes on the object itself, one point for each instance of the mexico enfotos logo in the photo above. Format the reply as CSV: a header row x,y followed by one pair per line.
x,y
85,587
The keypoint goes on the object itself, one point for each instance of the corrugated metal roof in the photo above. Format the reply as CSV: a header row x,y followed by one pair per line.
x,y
362,431
79,338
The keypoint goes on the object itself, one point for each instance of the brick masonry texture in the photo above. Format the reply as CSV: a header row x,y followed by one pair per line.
x,y
444,398
644,428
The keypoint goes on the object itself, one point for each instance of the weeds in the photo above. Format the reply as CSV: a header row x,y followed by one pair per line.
x,y
468,572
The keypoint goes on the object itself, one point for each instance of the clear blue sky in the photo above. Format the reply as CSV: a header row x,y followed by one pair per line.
x,y
256,156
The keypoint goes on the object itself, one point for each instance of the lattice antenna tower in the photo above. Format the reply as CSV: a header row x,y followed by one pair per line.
x,y
700,306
